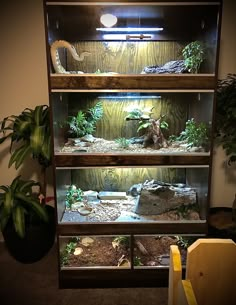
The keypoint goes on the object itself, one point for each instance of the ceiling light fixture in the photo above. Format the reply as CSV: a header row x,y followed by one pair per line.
x,y
108,20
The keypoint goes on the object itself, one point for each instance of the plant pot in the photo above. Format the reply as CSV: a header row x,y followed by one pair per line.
x,y
39,239
221,224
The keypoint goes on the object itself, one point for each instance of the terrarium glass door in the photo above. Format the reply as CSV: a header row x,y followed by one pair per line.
x,y
132,38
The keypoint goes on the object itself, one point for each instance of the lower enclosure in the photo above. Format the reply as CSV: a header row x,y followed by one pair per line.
x,y
123,251
128,195
92,260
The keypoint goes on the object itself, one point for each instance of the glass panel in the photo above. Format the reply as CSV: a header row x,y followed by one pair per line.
x,y
132,194
153,251
142,38
132,122
95,251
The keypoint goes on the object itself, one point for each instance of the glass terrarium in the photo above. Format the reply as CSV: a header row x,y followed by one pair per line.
x,y
121,251
132,195
91,252
132,38
132,122
153,251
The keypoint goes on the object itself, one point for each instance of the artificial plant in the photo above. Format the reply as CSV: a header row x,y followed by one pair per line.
x,y
193,54
195,134
85,122
225,122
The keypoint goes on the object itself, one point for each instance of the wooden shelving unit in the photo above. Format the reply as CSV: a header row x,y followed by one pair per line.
x,y
193,95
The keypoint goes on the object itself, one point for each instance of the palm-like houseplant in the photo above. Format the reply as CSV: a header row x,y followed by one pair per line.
x,y
22,203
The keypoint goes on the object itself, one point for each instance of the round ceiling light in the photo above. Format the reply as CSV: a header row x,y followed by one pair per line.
x,y
108,20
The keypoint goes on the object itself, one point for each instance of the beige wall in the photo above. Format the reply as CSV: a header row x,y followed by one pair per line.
x,y
223,177
23,69
23,61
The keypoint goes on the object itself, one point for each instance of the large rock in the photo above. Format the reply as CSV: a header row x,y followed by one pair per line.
x,y
157,199
174,66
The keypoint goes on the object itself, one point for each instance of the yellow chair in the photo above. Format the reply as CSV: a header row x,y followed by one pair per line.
x,y
210,277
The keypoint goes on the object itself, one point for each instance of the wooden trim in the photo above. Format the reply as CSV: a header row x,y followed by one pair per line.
x,y
113,278
95,160
129,228
136,81
133,2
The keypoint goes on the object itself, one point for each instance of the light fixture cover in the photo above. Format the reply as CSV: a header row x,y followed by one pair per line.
x,y
108,20
128,29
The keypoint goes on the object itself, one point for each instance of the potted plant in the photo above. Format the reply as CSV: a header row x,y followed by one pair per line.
x,y
27,222
225,134
222,219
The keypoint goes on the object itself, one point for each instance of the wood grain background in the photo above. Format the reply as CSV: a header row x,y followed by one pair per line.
x,y
125,57
121,179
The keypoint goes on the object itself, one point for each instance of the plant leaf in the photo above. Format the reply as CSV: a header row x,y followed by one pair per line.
x,y
19,155
19,220
33,204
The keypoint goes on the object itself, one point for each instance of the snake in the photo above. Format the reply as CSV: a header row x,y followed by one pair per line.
x,y
56,58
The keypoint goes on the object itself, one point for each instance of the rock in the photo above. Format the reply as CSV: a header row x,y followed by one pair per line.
x,y
86,241
88,138
196,149
135,190
136,140
84,211
111,195
174,66
164,259
78,251
157,199
90,195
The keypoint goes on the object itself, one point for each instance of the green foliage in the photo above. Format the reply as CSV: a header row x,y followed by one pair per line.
x,y
137,261
122,240
122,142
84,123
29,133
185,242
146,124
226,116
183,210
194,134
17,202
73,195
63,258
69,249
135,113
193,54
139,114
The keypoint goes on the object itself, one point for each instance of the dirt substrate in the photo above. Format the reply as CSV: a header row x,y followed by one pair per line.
x,y
101,145
151,251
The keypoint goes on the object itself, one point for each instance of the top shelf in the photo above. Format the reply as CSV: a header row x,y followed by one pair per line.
x,y
75,82
177,2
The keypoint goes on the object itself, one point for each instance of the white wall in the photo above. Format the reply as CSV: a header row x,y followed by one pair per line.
x,y
24,78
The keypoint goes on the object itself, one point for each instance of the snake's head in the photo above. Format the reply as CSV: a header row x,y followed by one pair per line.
x,y
78,57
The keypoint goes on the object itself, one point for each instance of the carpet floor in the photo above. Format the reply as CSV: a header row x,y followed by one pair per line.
x,y
37,284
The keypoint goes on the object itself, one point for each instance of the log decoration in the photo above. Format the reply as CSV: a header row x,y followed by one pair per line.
x,y
56,58
173,66
154,134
